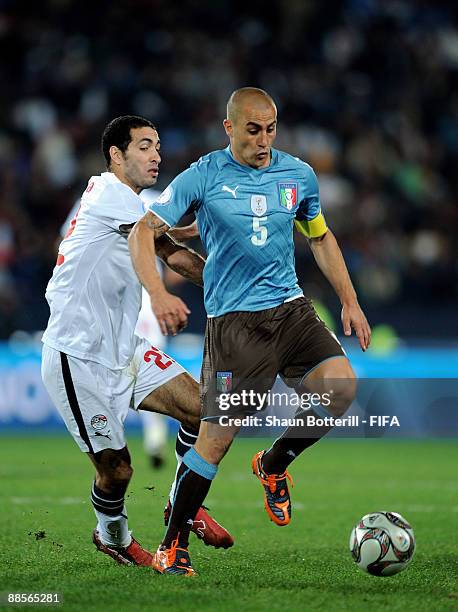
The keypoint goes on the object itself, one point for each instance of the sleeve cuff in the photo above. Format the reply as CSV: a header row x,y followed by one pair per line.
x,y
154,211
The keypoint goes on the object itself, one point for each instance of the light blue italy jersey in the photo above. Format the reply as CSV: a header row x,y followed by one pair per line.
x,y
245,219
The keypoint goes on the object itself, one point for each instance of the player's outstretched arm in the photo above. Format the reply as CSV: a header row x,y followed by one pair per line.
x,y
181,259
171,312
331,262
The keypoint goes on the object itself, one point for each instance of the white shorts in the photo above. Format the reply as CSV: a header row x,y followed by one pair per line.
x,y
94,400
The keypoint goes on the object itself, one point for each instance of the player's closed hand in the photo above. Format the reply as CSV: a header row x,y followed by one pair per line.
x,y
171,312
354,317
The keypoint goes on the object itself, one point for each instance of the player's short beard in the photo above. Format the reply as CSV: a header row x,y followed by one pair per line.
x,y
148,184
133,174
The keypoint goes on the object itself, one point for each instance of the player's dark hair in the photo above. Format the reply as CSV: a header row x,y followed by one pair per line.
x,y
117,133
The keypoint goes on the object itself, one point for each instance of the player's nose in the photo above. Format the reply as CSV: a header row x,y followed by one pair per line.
x,y
262,139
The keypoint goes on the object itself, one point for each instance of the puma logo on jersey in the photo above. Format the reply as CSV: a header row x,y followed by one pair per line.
x,y
226,188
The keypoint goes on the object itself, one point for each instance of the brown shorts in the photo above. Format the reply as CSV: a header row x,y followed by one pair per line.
x,y
247,350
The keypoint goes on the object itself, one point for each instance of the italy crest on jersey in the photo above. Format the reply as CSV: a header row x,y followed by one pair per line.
x,y
288,195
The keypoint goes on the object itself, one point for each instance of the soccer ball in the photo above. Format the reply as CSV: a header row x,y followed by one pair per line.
x,y
382,543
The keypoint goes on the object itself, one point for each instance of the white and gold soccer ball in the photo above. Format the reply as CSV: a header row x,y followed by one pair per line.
x,y
382,543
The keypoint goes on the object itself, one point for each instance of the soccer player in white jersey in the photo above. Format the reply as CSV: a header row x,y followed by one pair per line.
x,y
94,366
154,425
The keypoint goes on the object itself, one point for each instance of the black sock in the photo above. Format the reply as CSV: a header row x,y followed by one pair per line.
x,y
186,438
191,491
289,446
111,504
183,536
193,483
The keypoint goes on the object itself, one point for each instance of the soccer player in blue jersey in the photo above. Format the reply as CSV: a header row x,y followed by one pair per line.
x,y
247,199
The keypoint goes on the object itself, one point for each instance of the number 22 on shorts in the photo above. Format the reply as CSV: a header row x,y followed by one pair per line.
x,y
162,360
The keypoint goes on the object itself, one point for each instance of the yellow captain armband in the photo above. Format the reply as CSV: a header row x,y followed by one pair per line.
x,y
314,228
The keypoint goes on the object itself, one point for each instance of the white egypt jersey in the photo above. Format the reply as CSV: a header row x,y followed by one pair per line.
x,y
91,350
94,294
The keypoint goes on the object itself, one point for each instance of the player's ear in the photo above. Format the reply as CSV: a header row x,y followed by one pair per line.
x,y
227,123
115,155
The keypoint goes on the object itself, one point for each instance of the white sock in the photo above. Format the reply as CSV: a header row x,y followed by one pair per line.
x,y
113,530
111,515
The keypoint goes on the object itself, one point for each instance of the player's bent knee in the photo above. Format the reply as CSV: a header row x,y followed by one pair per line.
x,y
116,479
336,380
343,396
123,473
343,391
114,469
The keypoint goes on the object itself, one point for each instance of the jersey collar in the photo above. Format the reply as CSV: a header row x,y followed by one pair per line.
x,y
111,177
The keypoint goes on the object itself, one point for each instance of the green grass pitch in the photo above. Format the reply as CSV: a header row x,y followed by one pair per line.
x,y
304,566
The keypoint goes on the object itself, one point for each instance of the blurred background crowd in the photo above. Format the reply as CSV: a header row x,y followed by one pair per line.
x,y
366,92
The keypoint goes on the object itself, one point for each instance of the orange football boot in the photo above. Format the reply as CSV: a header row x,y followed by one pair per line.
x,y
276,493
173,560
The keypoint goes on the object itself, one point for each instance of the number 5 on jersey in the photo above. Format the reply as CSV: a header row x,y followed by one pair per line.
x,y
259,208
259,236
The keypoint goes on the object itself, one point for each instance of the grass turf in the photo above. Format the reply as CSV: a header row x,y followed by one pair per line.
x,y
307,565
